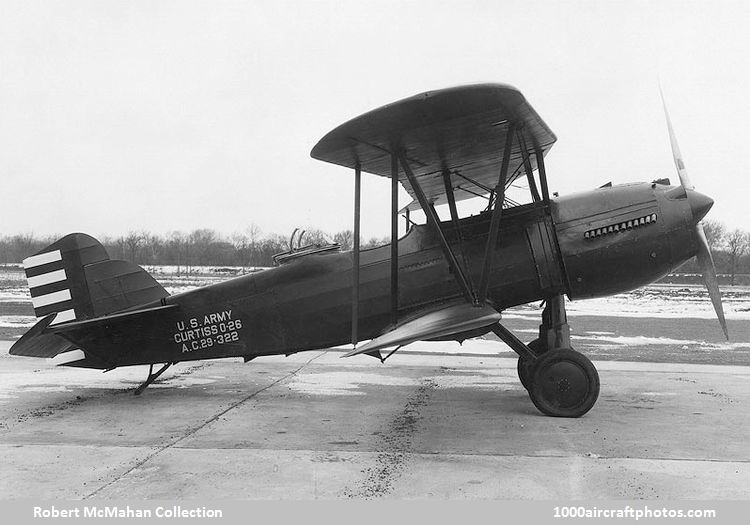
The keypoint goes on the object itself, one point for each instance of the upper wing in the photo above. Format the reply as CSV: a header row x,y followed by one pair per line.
x,y
461,129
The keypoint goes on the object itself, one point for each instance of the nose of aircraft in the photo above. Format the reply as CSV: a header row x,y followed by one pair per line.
x,y
699,204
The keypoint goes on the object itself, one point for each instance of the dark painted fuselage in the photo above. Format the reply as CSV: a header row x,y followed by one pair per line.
x,y
594,243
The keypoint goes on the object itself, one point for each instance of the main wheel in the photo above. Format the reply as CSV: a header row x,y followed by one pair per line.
x,y
564,383
525,367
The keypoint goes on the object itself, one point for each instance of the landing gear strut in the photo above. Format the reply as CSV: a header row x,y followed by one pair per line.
x,y
554,332
525,365
560,381
151,377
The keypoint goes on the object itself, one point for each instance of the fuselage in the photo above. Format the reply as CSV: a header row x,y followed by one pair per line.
x,y
618,238
601,242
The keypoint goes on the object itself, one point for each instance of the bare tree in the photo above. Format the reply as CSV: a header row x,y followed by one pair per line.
x,y
177,244
253,233
376,241
270,246
120,246
312,236
241,244
715,233
200,242
737,243
345,238
18,247
135,241
246,245
24,245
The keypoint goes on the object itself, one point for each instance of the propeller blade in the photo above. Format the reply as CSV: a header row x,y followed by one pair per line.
x,y
699,206
706,263
678,162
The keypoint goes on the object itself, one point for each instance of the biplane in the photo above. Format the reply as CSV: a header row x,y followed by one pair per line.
x,y
442,280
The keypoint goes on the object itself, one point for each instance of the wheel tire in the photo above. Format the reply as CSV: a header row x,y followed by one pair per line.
x,y
525,367
564,383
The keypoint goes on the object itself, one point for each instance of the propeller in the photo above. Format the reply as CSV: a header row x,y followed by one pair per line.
x,y
700,205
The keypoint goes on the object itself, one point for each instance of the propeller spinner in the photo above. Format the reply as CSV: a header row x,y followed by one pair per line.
x,y
699,204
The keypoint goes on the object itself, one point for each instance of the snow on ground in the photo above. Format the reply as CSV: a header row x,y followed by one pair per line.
x,y
352,383
614,341
655,301
16,321
166,269
23,374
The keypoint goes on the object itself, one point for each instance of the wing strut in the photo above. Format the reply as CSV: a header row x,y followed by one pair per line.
x,y
542,174
432,219
394,239
451,199
355,253
456,228
527,166
496,213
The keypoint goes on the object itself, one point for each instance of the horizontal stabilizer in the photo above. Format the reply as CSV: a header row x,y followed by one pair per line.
x,y
437,323
113,340
71,356
110,320
38,342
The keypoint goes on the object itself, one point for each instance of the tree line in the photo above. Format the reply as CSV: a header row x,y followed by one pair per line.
x,y
186,250
252,248
730,250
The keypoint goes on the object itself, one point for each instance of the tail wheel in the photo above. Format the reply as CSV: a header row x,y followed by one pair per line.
x,y
525,367
564,383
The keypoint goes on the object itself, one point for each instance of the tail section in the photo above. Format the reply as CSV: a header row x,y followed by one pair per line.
x,y
75,279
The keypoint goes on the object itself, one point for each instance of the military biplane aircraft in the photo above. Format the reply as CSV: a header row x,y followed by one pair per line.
x,y
443,280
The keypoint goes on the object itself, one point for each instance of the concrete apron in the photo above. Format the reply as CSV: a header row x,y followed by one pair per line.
x,y
421,426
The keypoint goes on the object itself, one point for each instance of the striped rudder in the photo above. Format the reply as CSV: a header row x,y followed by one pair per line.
x,y
56,279
49,290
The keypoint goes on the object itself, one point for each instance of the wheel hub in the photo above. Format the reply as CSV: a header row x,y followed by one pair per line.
x,y
565,383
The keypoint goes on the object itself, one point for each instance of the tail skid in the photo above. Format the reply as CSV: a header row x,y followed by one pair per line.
x,y
151,377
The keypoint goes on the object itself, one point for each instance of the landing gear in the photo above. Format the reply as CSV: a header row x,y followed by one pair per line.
x,y
560,381
151,377
564,384
525,365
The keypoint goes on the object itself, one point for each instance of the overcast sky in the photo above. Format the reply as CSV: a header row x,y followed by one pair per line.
x,y
117,116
